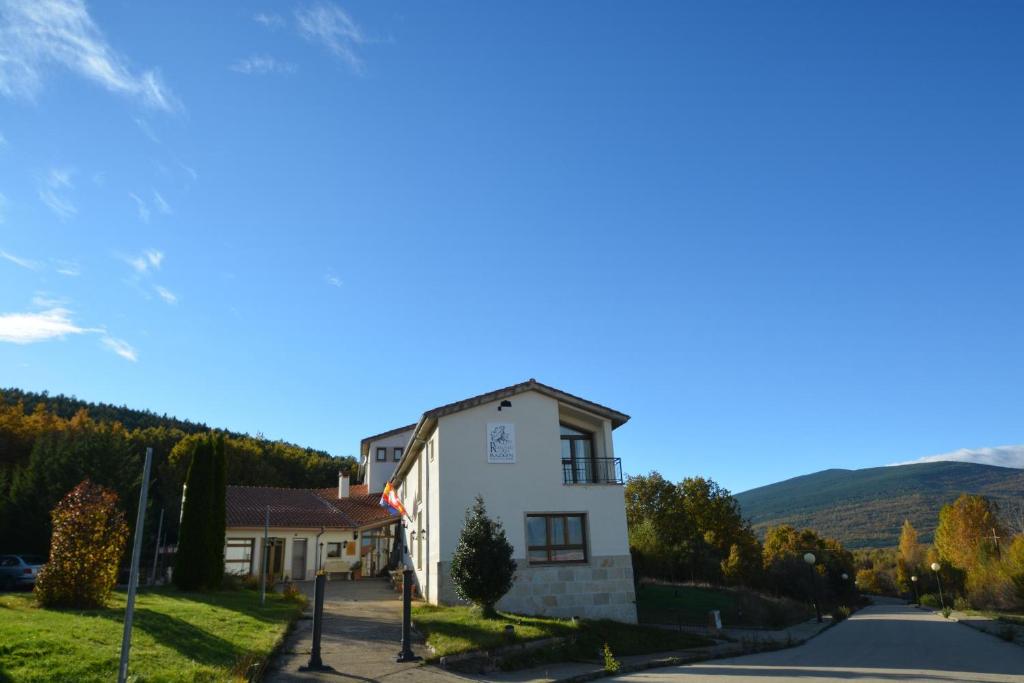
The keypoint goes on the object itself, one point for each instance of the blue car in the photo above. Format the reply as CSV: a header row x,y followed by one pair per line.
x,y
19,571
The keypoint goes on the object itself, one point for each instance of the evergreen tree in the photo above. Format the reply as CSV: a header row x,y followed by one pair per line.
x,y
191,566
218,521
482,566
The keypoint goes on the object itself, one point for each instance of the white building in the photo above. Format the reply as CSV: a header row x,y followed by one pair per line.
x,y
544,462
342,530
380,454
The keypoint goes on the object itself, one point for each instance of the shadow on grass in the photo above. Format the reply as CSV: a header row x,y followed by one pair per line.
x,y
187,639
245,602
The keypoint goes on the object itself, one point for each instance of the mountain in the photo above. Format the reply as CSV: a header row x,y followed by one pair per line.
x,y
865,508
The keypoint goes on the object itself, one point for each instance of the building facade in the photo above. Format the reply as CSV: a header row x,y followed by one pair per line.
x,y
544,463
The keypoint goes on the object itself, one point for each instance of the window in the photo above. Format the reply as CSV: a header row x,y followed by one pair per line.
x,y
556,538
398,453
577,455
382,454
334,550
238,556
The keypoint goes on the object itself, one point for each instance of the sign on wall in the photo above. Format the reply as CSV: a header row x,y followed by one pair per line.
x,y
501,442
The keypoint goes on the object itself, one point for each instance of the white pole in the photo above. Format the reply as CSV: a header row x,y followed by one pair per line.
x,y
266,558
133,579
156,552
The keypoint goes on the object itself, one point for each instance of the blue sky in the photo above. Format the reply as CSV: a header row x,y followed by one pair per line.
x,y
782,236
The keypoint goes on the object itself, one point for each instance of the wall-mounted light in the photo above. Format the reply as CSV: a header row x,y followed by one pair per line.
x,y
355,535
504,404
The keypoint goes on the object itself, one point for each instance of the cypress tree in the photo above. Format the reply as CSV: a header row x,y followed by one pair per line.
x,y
482,567
218,519
191,566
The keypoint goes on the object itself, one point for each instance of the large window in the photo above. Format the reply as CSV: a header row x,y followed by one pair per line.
x,y
577,454
238,556
333,550
382,454
554,538
398,453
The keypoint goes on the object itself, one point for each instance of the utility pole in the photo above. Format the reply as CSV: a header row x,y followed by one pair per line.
x,y
266,558
133,579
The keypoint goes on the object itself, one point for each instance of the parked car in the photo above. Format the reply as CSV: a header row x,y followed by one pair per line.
x,y
19,571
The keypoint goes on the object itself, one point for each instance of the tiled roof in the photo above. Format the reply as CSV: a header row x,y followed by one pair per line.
x,y
617,418
301,508
353,490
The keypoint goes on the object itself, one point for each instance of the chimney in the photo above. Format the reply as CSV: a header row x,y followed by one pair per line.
x,y
343,484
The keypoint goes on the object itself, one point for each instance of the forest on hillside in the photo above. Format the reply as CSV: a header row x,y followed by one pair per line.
x,y
48,444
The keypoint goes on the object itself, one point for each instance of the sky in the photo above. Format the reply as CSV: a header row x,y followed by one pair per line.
x,y
783,237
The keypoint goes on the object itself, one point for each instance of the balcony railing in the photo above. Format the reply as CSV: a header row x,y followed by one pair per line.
x,y
592,471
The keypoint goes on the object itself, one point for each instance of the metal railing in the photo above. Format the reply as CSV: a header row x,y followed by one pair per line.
x,y
592,471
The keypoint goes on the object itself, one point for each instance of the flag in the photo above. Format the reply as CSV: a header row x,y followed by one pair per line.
x,y
389,499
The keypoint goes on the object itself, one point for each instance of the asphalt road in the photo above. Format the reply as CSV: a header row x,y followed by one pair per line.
x,y
879,643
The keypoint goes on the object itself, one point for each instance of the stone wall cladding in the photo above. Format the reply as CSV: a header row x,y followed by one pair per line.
x,y
600,589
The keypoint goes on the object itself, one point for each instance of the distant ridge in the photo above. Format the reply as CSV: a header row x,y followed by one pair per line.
x,y
1000,456
865,508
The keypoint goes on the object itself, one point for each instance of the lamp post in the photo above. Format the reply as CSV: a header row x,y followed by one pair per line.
x,y
913,582
935,568
810,559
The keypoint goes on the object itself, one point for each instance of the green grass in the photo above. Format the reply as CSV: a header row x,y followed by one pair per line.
x,y
176,637
453,630
669,604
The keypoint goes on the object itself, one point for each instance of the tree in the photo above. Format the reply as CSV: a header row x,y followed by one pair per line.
x,y
482,566
218,520
964,537
89,537
192,562
910,550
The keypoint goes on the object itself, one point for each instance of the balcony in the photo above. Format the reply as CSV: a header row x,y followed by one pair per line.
x,y
592,471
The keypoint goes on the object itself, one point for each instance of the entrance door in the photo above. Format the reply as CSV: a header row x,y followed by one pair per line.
x,y
299,559
275,559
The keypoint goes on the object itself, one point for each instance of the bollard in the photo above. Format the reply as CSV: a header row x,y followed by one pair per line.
x,y
315,663
407,655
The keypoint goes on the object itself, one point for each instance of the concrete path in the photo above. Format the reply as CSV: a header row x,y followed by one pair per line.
x,y
889,642
362,635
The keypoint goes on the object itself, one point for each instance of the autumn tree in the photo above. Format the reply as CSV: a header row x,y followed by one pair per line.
x,y
967,531
89,537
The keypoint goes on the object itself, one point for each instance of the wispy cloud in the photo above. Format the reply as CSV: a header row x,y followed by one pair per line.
x,y
51,190
36,35
29,328
146,261
328,25
333,280
146,129
161,204
140,205
166,294
192,173
17,260
270,20
121,348
262,64
68,268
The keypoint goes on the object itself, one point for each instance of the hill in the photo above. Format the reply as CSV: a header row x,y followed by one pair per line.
x,y
865,508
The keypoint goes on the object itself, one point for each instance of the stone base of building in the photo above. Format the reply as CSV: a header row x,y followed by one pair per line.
x,y
600,589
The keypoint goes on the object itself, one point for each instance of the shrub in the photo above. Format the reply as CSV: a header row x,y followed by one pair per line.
x,y
611,665
292,593
89,537
840,613
929,600
946,611
482,566
960,604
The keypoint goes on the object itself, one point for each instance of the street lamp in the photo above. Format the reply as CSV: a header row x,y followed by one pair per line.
x,y
913,582
810,559
935,568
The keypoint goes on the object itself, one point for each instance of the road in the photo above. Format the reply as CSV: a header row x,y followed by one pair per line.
x,y
880,643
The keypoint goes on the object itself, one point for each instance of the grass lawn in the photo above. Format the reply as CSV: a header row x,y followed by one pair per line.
x,y
451,630
176,637
673,604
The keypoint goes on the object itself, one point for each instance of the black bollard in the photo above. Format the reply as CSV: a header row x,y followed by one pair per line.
x,y
407,655
315,663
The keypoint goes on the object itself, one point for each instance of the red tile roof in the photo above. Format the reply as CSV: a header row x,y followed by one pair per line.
x,y
302,508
